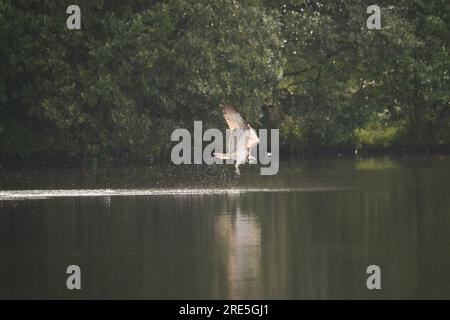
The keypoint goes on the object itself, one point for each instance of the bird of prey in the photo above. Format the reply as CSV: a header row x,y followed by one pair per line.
x,y
243,138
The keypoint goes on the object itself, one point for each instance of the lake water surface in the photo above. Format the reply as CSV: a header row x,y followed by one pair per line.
x,y
199,232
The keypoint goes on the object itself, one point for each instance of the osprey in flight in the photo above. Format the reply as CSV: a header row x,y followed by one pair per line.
x,y
243,138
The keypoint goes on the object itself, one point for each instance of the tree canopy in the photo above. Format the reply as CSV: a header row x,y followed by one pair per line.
x,y
136,71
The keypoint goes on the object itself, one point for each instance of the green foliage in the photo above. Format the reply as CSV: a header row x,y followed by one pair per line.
x,y
376,135
339,75
117,88
292,133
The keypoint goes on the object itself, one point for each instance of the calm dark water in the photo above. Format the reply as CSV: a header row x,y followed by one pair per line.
x,y
199,232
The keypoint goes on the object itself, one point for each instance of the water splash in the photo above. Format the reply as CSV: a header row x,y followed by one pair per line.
x,y
46,194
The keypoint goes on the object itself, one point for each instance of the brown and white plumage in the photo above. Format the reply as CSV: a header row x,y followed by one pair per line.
x,y
233,119
246,138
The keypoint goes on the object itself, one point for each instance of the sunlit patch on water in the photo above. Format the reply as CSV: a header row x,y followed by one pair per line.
x,y
45,194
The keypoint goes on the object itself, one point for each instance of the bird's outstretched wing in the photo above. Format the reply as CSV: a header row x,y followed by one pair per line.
x,y
237,126
233,118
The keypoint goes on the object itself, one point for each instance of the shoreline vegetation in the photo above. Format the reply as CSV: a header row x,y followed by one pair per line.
x,y
113,92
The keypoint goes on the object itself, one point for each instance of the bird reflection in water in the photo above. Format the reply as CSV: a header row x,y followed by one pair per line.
x,y
238,234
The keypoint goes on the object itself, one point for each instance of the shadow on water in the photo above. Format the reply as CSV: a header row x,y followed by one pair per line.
x,y
313,241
